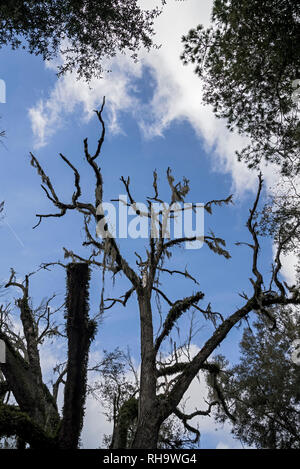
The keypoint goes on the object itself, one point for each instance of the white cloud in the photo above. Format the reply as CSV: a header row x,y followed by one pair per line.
x,y
176,93
95,425
288,270
222,445
68,93
39,122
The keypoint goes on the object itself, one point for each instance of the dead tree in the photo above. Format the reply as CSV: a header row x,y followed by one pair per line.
x,y
156,402
35,419
80,330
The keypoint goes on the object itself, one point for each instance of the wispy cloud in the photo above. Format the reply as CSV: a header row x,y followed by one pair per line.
x,y
176,94
47,116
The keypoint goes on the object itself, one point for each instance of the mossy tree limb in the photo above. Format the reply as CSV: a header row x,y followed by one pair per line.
x,y
15,422
80,332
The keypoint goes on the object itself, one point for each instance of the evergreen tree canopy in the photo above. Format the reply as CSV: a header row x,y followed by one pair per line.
x,y
249,63
84,31
263,390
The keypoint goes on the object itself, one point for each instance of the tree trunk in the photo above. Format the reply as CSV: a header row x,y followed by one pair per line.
x,y
80,331
148,411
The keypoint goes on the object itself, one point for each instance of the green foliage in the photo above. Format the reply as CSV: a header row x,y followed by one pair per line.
x,y
85,32
127,417
263,389
248,60
14,422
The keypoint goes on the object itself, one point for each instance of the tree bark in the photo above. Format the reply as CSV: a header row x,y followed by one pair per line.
x,y
80,331
148,411
34,399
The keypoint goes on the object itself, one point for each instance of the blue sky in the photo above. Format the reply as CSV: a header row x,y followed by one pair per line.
x,y
154,119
